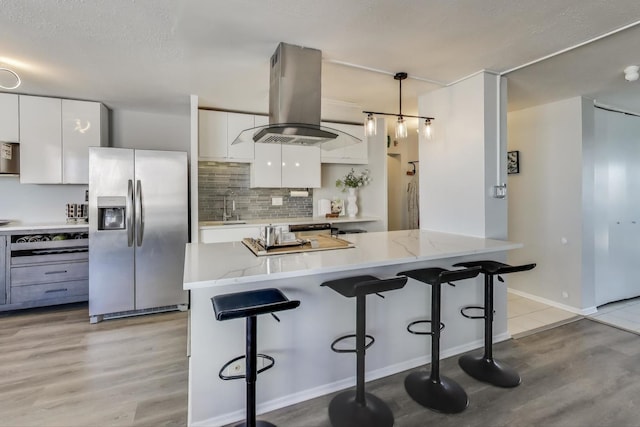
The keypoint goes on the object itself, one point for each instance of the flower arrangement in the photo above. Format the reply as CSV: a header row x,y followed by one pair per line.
x,y
351,180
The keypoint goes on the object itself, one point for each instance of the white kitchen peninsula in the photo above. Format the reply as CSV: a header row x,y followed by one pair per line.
x,y
305,365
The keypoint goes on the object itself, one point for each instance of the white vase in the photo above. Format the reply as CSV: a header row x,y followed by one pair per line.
x,y
352,207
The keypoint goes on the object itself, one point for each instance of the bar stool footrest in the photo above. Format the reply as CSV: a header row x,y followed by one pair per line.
x,y
413,331
472,307
489,371
345,411
349,350
445,396
271,361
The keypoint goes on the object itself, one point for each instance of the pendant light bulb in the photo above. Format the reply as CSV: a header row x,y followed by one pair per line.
x,y
370,125
401,128
427,129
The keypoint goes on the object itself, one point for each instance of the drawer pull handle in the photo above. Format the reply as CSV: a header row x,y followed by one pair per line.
x,y
55,290
56,272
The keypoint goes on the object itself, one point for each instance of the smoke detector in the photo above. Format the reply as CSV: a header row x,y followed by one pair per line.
x,y
631,73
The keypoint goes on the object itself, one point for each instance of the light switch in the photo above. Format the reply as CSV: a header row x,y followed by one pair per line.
x,y
276,201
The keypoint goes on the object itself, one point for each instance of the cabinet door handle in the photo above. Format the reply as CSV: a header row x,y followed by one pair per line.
x,y
56,272
55,290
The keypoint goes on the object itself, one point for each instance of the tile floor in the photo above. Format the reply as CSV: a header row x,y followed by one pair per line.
x,y
526,315
623,314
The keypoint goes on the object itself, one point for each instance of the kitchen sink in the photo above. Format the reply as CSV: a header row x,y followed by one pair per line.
x,y
233,222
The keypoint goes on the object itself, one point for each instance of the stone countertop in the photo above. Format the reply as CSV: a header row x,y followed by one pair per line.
x,y
205,225
219,264
19,226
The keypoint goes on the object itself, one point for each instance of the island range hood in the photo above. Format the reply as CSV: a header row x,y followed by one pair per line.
x,y
294,103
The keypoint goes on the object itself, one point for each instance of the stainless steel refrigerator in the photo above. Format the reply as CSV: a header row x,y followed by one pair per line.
x,y
137,231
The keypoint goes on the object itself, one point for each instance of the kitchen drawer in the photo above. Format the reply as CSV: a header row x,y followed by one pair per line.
x,y
62,256
49,273
50,291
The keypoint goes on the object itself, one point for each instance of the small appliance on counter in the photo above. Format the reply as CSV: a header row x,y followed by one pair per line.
x,y
77,212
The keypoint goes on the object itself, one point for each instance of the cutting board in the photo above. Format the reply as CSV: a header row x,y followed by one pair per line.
x,y
324,243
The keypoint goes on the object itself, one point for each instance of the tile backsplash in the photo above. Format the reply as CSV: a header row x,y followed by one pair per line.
x,y
217,179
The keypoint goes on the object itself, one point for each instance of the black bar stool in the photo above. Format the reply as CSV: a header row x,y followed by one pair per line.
x,y
251,304
357,408
431,389
485,368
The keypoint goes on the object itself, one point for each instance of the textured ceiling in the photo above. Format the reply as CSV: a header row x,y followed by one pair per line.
x,y
151,54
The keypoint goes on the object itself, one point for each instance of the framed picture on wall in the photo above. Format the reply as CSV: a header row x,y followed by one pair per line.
x,y
513,162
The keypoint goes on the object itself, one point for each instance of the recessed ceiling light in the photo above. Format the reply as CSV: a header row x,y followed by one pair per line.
x,y
14,75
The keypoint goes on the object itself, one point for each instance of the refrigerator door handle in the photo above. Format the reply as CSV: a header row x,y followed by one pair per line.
x,y
129,207
139,214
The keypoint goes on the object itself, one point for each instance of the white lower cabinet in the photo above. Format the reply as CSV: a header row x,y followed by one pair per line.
x,y
356,154
222,234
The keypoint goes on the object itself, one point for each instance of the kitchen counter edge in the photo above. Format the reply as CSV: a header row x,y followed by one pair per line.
x,y
207,225
236,264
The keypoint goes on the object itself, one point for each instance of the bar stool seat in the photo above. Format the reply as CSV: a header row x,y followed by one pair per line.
x,y
358,408
485,368
430,389
249,305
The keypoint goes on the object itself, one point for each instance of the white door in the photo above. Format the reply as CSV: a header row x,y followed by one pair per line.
x,y
81,129
40,140
266,167
300,166
236,123
9,127
212,134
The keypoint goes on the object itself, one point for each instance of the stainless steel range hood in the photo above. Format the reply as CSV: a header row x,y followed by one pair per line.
x,y
294,103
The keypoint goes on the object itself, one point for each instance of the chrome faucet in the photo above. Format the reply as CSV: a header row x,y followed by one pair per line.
x,y
226,216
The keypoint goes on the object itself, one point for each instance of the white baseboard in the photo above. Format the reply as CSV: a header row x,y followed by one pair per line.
x,y
581,311
314,392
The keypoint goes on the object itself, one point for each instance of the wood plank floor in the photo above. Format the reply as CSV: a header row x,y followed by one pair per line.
x,y
580,374
58,370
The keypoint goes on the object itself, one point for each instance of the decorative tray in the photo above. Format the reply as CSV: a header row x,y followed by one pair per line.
x,y
315,243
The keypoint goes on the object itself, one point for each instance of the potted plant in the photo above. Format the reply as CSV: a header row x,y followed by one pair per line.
x,y
351,182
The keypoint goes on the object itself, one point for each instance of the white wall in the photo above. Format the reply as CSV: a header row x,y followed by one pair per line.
x,y
151,131
372,199
459,165
616,212
546,200
30,203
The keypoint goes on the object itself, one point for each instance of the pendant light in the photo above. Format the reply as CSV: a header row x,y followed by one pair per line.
x,y
401,125
370,125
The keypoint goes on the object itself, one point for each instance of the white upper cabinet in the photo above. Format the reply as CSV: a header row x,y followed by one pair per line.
x,y
82,127
266,169
9,127
55,136
300,166
236,123
40,140
356,154
285,166
218,130
212,134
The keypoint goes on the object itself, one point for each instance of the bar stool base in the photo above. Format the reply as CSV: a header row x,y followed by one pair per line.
x,y
258,424
445,396
489,371
344,411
